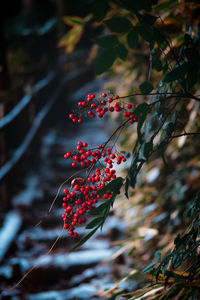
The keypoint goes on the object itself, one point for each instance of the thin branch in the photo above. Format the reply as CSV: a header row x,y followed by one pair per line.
x,y
185,95
152,94
184,134
122,125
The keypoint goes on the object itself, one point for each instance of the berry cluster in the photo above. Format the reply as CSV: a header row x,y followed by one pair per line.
x,y
83,195
97,161
93,107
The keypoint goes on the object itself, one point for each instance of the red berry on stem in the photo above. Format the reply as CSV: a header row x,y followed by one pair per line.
x,y
71,116
129,106
103,102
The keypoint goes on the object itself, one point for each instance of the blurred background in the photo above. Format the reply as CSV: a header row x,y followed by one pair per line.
x,y
46,66
39,84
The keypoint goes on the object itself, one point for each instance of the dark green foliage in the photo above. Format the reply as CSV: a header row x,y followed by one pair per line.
x,y
94,223
104,61
148,267
119,25
113,186
139,33
99,9
132,38
107,41
103,209
84,239
177,73
146,87
121,51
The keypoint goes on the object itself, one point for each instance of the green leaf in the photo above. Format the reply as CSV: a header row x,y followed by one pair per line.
x,y
158,64
94,223
132,38
119,24
148,148
158,36
113,186
84,239
99,10
98,210
170,129
138,5
192,77
139,126
141,109
73,20
127,184
177,73
146,87
107,41
149,19
121,51
148,267
104,61
177,260
146,33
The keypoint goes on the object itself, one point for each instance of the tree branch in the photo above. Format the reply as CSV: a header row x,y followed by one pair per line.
x,y
184,134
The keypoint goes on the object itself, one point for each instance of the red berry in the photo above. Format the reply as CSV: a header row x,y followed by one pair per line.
x,y
110,99
69,208
103,102
71,116
65,191
104,94
100,115
74,120
73,164
67,155
118,108
129,106
80,120
108,151
111,108
83,164
75,234
93,105
88,153
116,97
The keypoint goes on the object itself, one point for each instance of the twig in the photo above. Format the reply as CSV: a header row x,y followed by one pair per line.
x,y
183,134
